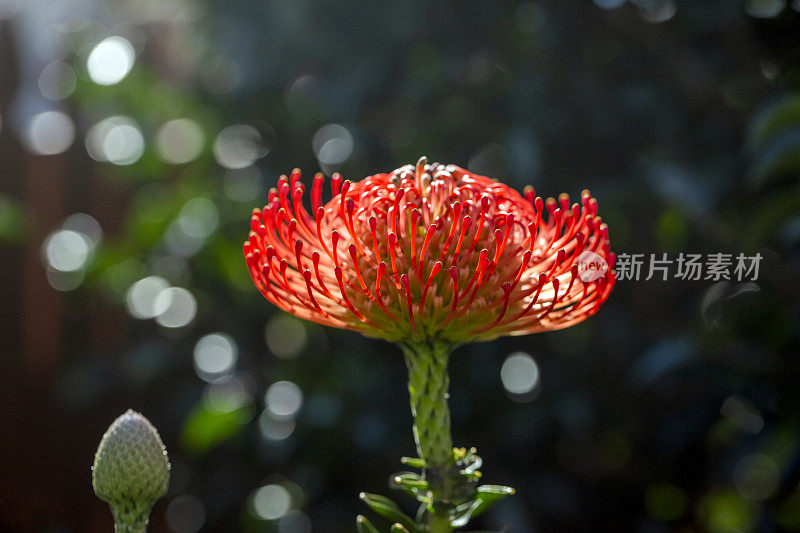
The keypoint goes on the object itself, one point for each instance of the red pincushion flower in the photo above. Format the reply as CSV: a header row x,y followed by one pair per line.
x,y
430,252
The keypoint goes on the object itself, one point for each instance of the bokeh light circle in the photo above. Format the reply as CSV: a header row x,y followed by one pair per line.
x,y
179,141
271,502
66,250
118,140
284,399
140,300
215,355
239,146
177,307
57,81
49,133
332,144
519,373
110,60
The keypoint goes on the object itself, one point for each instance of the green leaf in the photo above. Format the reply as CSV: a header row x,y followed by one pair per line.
x,y
486,496
397,528
388,509
463,514
363,525
496,489
413,462
410,481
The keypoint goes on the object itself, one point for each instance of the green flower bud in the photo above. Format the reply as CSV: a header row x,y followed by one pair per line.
x,y
131,470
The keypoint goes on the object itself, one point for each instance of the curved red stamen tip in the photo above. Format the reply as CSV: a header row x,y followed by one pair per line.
x,y
298,248
466,222
307,278
294,176
573,273
481,222
498,239
526,258
373,229
563,201
335,246
381,272
316,191
454,303
455,210
336,183
337,271
482,262
354,257
404,281
286,285
506,295
539,285
555,300
437,267
411,234
530,193
428,235
378,295
315,257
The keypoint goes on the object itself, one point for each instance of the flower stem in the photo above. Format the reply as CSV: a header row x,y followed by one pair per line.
x,y
427,387
131,519
439,524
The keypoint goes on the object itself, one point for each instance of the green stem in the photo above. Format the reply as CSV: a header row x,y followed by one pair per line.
x,y
131,519
427,387
439,524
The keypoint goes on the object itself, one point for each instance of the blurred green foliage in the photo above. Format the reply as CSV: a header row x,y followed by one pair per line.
x,y
14,221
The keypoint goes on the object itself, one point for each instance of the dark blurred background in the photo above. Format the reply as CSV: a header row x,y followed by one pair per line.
x,y
137,135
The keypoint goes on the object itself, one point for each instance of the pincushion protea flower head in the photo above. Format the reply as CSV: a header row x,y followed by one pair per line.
x,y
430,252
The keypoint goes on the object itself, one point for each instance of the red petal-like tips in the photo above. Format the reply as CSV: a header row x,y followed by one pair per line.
x,y
430,251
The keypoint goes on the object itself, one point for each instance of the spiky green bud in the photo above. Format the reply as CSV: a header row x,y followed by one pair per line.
x,y
130,471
